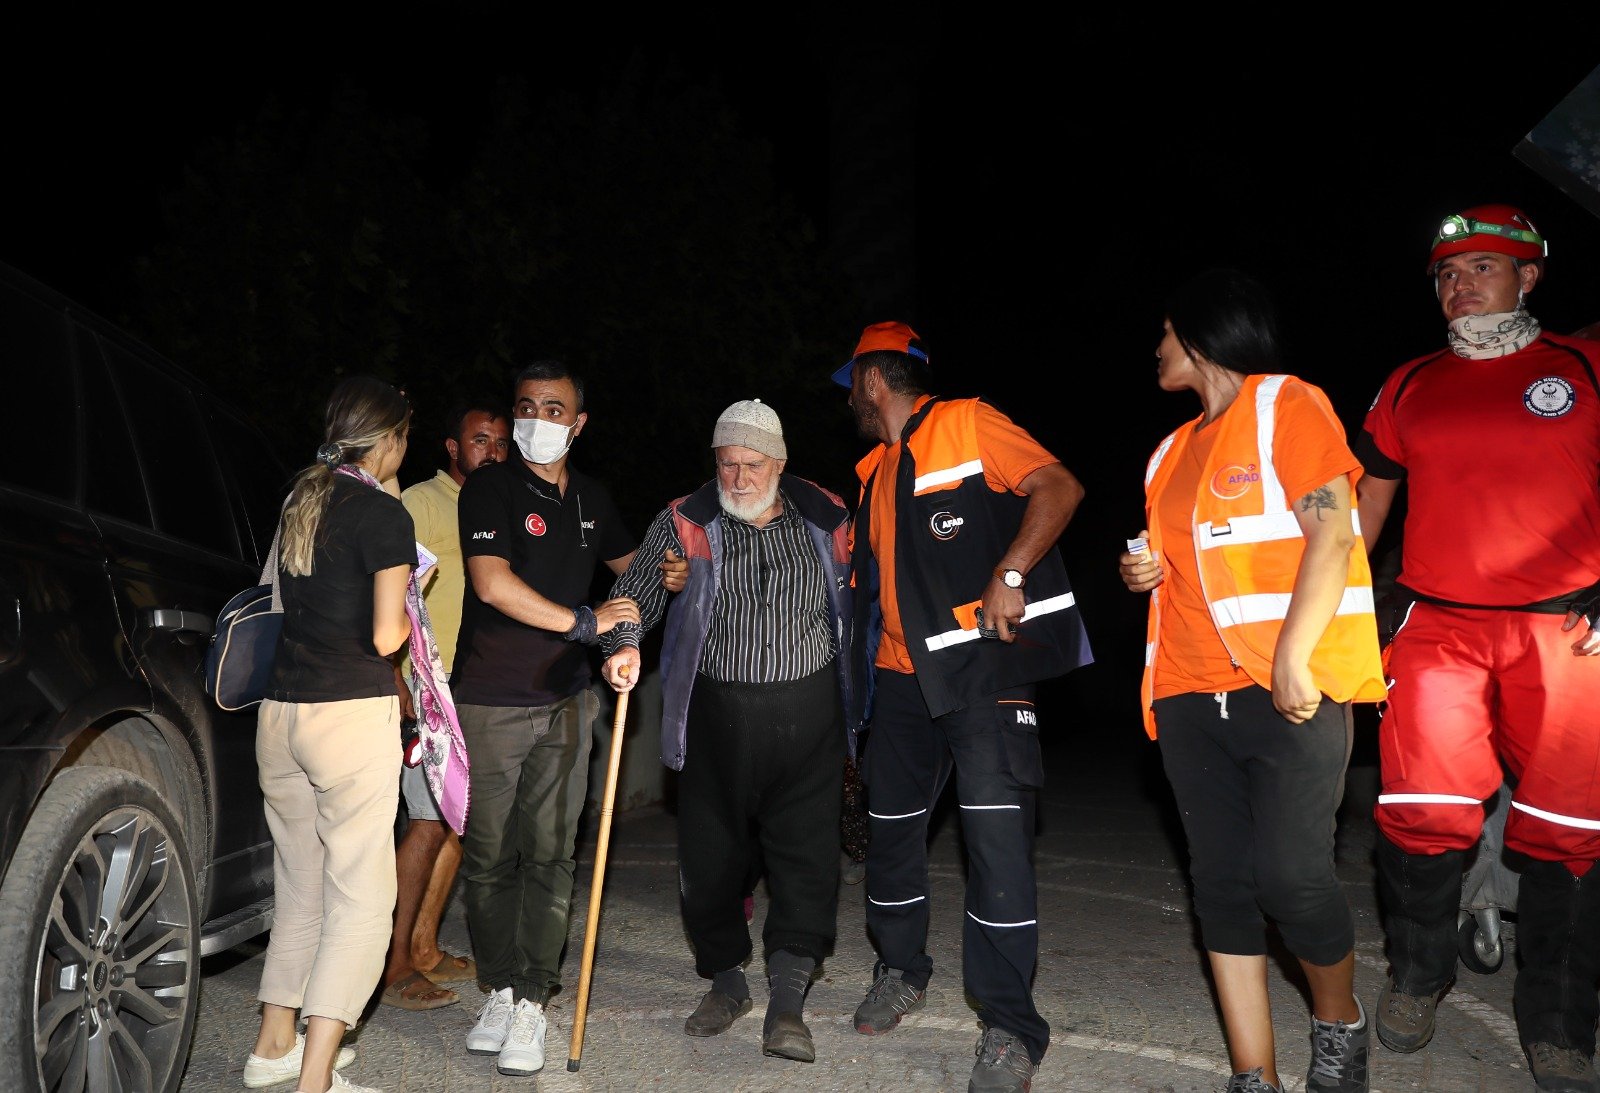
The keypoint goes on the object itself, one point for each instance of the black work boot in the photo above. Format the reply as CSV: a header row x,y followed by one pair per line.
x,y
784,1034
1558,964
1421,895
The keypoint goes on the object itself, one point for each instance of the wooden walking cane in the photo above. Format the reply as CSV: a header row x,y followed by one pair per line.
x,y
575,1051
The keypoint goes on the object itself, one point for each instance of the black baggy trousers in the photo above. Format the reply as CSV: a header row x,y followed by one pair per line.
x,y
761,788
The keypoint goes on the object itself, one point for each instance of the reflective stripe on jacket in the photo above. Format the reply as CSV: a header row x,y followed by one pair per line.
x,y
951,530
1248,550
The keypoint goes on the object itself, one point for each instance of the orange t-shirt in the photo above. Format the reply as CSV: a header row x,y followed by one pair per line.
x,y
1308,451
1009,456
1190,656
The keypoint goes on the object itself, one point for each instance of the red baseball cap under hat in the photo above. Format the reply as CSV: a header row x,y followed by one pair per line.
x,y
894,336
1498,229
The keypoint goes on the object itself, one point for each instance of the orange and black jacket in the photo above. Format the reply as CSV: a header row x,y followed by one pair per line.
x,y
951,530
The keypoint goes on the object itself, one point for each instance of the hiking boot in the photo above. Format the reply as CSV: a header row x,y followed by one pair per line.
x,y
488,1036
1560,1069
1338,1055
888,999
1405,1021
715,1014
523,1052
1250,1081
260,1073
1003,1064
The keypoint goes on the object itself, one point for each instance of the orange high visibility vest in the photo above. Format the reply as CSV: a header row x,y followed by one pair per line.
x,y
1248,549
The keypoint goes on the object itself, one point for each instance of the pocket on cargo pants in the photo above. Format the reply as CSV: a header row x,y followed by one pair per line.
x,y
1018,720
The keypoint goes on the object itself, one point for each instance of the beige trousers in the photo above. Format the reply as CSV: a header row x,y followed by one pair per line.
x,y
330,776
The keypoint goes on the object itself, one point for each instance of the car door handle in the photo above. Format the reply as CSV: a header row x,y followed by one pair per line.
x,y
178,621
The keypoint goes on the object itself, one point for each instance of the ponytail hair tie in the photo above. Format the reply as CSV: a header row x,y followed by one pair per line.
x,y
330,454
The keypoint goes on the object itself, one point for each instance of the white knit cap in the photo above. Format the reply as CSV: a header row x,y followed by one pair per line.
x,y
751,424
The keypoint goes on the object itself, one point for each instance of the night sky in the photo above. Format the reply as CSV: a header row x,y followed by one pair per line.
x,y
1043,183
1059,179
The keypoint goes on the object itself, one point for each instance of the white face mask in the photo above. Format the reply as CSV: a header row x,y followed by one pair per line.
x,y
541,441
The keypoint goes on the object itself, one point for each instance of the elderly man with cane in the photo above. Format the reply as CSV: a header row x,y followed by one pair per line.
x,y
753,692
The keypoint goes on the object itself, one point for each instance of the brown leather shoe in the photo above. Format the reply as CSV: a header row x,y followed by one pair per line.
x,y
715,1013
786,1037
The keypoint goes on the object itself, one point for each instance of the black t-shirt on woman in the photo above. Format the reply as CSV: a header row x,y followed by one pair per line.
x,y
326,652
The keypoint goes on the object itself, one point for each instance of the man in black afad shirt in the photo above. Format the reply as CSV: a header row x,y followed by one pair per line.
x,y
532,530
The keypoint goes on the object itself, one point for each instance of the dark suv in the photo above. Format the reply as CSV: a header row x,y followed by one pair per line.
x,y
133,504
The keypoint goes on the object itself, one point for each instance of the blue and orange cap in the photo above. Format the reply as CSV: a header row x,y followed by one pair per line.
x,y
879,336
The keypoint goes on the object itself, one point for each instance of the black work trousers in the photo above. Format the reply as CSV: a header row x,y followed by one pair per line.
x,y
992,746
761,786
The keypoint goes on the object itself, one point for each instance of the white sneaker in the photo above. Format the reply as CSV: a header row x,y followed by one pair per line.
x,y
341,1084
523,1052
488,1036
259,1072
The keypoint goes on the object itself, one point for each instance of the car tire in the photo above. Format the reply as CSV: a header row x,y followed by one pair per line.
x,y
100,916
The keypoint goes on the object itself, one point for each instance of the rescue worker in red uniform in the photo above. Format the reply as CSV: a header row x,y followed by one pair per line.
x,y
1492,669
962,607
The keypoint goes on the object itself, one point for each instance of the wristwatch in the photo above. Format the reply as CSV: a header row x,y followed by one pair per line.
x,y
1011,578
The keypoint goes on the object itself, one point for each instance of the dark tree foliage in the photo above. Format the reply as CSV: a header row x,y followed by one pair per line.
x,y
288,262
632,232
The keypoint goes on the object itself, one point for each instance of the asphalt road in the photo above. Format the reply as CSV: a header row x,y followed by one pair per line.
x,y
1121,977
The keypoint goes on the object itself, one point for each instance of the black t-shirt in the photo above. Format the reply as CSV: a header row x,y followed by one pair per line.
x,y
326,652
552,544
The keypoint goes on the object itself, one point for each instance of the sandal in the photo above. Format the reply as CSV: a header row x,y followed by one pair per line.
x,y
417,992
452,969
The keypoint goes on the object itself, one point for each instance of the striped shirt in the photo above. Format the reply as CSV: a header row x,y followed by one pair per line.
x,y
770,619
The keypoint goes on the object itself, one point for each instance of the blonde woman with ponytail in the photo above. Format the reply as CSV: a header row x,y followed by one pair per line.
x,y
327,741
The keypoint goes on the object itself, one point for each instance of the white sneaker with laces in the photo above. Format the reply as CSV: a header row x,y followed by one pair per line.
x,y
523,1052
341,1084
488,1036
259,1072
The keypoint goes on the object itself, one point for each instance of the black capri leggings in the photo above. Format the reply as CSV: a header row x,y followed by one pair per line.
x,y
1259,796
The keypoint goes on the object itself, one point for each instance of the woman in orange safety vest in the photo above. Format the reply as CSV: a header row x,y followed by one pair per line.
x,y
1261,634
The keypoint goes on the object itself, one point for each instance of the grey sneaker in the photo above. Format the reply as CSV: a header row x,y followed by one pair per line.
x,y
1560,1069
1405,1021
1003,1064
889,999
1250,1081
1338,1055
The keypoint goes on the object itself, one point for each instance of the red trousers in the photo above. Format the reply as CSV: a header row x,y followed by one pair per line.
x,y
1470,690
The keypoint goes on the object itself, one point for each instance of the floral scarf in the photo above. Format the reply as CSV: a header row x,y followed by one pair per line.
x,y
444,749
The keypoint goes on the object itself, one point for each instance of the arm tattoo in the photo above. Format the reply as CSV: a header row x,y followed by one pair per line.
x,y
1320,498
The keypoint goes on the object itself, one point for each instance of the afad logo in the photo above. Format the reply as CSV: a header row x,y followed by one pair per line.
x,y
1234,481
944,525
535,524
